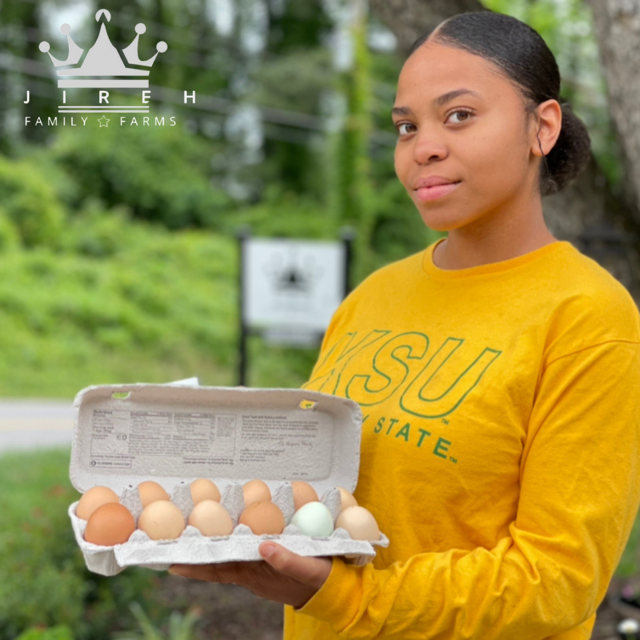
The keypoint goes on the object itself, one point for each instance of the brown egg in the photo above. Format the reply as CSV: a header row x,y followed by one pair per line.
x,y
263,517
359,523
110,524
346,498
255,490
151,491
303,493
204,489
94,498
211,519
162,520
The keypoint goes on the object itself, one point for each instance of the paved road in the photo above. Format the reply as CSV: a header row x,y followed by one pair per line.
x,y
32,424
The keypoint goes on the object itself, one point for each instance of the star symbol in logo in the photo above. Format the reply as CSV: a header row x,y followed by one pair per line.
x,y
104,121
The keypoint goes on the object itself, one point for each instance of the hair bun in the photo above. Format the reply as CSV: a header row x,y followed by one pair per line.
x,y
570,154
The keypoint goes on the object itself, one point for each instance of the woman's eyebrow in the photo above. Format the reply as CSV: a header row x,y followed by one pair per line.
x,y
438,102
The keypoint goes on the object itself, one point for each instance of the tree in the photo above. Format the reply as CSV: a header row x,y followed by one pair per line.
x,y
617,26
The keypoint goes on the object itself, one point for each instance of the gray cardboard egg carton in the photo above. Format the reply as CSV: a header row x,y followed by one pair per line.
x,y
242,544
331,427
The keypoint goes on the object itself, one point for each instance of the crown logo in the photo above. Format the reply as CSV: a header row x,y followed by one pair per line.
x,y
103,66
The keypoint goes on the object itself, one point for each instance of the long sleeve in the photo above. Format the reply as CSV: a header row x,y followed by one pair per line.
x,y
579,495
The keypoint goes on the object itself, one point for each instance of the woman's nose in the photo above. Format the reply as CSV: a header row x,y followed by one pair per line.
x,y
428,148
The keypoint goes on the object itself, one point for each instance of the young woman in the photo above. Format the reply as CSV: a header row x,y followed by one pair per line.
x,y
498,372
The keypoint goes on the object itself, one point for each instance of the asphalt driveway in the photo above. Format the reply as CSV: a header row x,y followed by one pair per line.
x,y
35,423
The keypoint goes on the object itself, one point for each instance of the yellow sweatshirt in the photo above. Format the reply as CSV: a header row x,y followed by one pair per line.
x,y
500,448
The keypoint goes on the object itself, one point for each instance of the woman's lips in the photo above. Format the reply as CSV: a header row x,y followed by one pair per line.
x,y
426,194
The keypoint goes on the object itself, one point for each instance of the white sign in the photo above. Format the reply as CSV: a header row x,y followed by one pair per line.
x,y
292,283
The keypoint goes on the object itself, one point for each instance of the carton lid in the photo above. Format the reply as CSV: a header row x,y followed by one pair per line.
x,y
171,433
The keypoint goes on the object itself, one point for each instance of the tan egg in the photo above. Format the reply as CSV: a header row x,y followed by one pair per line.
x,y
255,490
151,491
110,524
346,499
359,523
162,520
263,517
94,498
303,493
204,489
210,518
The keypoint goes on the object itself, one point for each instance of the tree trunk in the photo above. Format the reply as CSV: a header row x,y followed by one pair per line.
x,y
617,25
410,19
586,213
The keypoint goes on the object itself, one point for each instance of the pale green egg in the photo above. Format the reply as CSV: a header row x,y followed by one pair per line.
x,y
314,519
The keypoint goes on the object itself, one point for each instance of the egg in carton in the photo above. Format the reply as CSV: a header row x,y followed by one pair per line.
x,y
192,547
242,544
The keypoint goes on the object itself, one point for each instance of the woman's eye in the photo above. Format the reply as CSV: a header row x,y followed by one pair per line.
x,y
403,124
464,112
463,116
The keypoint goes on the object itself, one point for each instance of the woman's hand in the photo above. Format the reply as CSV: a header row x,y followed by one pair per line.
x,y
283,576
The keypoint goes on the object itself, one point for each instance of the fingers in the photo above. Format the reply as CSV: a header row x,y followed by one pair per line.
x,y
310,571
225,572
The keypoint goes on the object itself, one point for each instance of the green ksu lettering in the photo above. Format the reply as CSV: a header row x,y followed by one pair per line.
x,y
391,364
415,399
346,348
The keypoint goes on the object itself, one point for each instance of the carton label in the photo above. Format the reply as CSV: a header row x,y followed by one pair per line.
x,y
246,444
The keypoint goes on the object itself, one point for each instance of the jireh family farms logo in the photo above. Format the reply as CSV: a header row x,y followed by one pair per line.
x,y
104,68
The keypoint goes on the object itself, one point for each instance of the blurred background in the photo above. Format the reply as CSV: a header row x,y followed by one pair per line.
x,y
118,249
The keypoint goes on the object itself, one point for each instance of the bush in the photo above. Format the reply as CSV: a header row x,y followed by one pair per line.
x,y
285,215
97,233
30,202
160,173
44,584
53,633
142,304
9,236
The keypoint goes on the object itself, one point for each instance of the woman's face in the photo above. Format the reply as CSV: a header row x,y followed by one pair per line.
x,y
478,140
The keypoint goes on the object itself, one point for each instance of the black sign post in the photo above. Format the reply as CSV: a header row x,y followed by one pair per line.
x,y
242,234
347,235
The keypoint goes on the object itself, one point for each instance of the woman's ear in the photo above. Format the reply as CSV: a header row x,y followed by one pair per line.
x,y
548,126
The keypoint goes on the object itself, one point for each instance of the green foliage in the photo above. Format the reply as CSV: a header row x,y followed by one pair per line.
x,y
351,177
9,236
297,26
161,173
43,579
276,365
122,302
294,75
294,159
180,626
99,234
286,215
30,203
60,632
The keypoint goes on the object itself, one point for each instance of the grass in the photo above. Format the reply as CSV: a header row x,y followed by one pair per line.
x,y
156,307
43,579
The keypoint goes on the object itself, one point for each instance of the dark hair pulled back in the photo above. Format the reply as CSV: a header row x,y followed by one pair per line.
x,y
524,57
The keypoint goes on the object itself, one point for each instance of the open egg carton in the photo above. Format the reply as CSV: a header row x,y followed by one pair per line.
x,y
178,432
